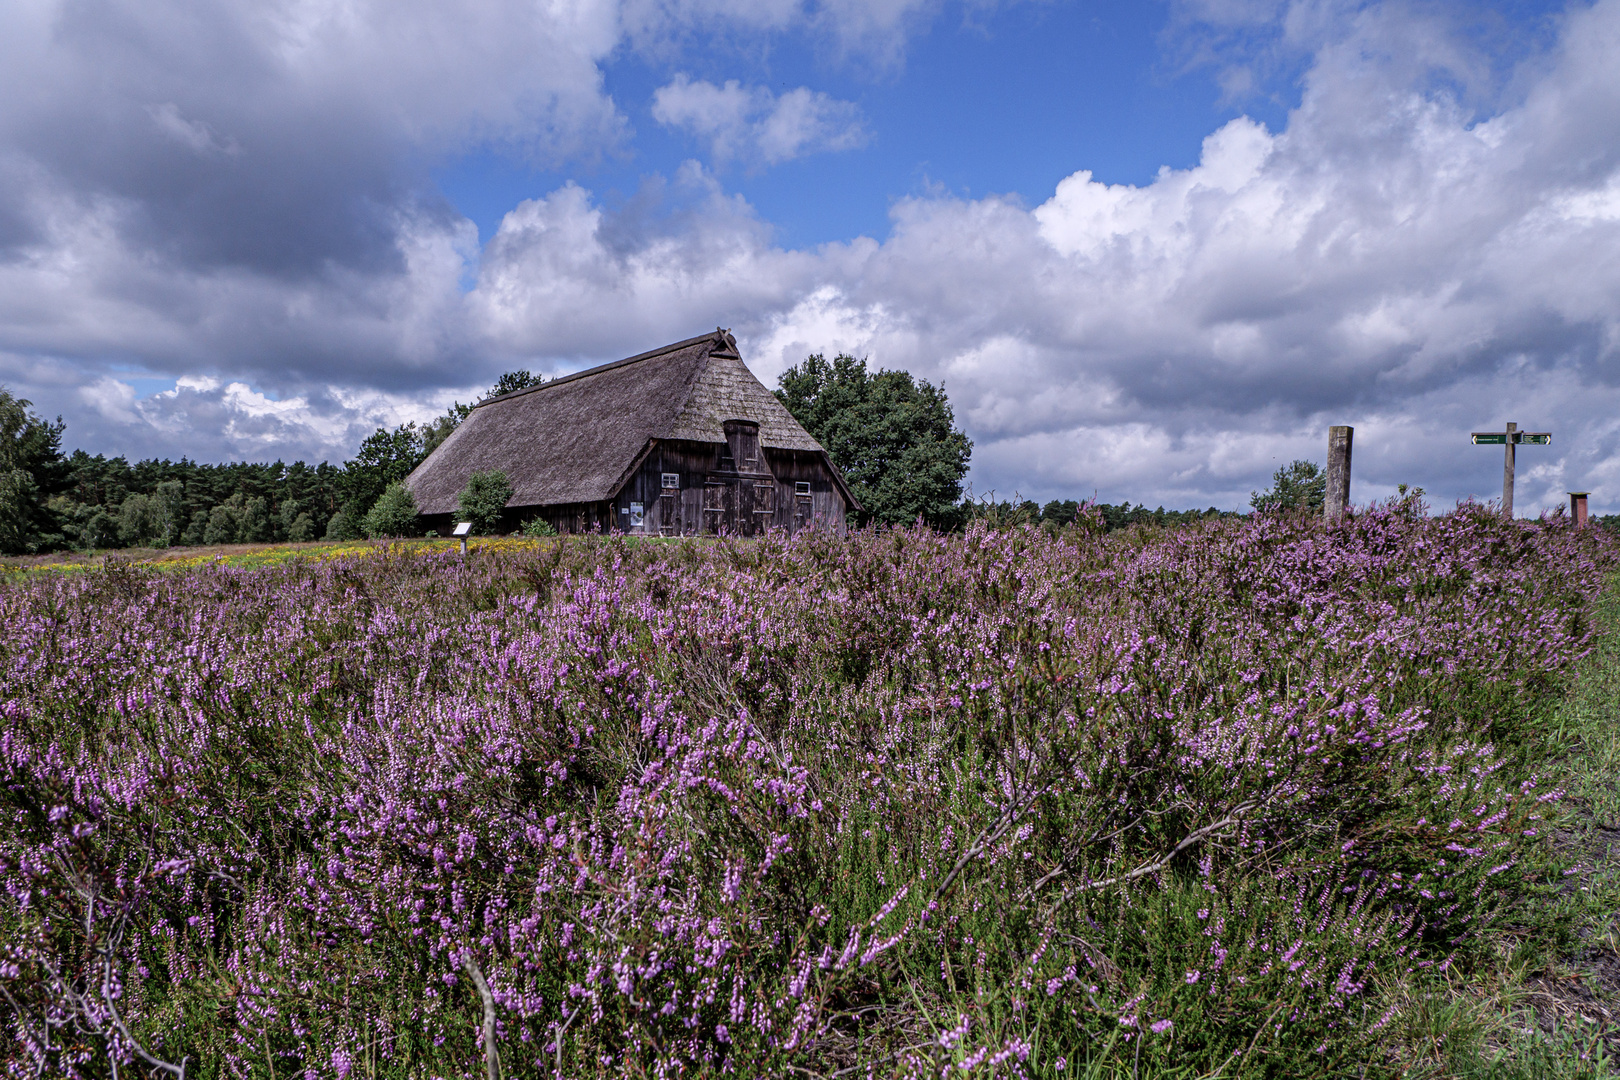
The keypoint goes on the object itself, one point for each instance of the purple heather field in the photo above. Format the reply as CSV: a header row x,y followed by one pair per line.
x,y
1009,803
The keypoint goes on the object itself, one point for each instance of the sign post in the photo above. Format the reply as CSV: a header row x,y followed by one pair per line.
x,y
1338,472
1577,508
1510,439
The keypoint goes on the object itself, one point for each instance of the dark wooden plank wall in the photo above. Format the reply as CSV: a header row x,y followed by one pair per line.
x,y
694,508
682,511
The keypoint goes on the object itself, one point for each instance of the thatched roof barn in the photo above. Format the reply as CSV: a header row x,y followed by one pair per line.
x,y
682,440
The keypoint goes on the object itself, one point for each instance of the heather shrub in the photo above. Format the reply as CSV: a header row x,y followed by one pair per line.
x,y
1008,802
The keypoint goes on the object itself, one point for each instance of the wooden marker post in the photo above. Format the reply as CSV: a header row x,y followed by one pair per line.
x,y
1510,439
1338,472
1577,508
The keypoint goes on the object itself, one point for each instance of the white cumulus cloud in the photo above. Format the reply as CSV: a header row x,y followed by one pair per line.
x,y
753,125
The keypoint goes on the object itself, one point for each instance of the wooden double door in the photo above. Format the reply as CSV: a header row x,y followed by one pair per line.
x,y
739,506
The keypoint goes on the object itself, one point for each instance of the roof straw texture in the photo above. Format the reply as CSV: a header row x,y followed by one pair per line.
x,y
574,439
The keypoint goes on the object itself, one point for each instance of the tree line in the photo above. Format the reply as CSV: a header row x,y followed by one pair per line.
x,y
51,500
894,438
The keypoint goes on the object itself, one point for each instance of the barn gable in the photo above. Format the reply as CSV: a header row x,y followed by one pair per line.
x,y
578,439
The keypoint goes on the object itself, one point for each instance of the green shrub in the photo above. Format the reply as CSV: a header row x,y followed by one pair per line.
x,y
483,499
539,527
393,514
345,525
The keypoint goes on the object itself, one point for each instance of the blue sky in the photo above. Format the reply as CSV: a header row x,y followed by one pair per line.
x,y
1153,249
999,102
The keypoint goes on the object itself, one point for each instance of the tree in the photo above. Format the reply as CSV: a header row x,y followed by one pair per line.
x,y
385,457
436,431
222,524
1299,485
894,438
345,525
513,381
30,473
394,514
483,499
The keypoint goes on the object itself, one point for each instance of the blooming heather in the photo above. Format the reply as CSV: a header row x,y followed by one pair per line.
x,y
990,803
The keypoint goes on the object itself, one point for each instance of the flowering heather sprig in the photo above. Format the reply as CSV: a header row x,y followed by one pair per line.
x,y
735,806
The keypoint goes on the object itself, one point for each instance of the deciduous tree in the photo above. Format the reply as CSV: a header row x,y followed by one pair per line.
x,y
894,437
483,499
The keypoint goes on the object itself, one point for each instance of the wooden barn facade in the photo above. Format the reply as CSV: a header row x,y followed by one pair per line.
x,y
680,441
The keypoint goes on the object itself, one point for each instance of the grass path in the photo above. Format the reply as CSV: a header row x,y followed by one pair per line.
x,y
1550,1007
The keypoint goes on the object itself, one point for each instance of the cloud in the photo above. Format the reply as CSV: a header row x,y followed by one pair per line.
x,y
1388,260
870,31
1404,253
753,125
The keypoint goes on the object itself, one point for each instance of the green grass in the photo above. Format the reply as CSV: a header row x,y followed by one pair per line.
x,y
1517,1014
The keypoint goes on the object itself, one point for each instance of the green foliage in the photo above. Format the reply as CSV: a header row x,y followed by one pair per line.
x,y
345,525
30,459
140,521
198,526
386,457
222,524
1089,517
513,381
483,499
181,497
394,514
1297,486
894,438
436,431
539,527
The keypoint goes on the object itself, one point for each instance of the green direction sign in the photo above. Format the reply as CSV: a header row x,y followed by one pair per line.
x,y
1499,438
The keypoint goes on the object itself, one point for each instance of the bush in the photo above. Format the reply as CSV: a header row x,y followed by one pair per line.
x,y
483,499
393,514
345,525
539,527
302,530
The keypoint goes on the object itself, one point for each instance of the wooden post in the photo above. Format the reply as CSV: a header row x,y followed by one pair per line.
x,y
1507,472
1577,508
1338,472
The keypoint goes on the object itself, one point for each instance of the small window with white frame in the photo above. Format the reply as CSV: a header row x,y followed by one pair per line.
x,y
672,480
802,489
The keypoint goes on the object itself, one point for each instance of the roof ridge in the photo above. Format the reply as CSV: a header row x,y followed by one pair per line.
x,y
721,338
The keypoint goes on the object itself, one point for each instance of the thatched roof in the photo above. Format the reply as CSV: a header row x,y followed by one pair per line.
x,y
576,439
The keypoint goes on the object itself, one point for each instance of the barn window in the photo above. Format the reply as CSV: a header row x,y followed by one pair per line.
x,y
802,489
672,480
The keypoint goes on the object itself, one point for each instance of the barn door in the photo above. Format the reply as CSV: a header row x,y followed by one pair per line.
x,y
763,505
718,498
803,505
